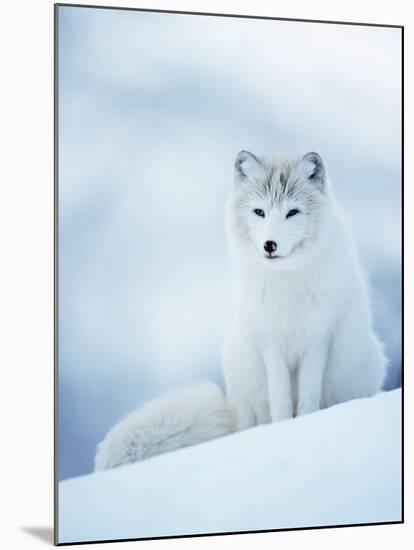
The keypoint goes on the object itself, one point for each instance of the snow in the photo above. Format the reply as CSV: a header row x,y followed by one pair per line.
x,y
338,466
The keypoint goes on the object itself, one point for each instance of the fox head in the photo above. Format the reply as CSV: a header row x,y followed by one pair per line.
x,y
278,207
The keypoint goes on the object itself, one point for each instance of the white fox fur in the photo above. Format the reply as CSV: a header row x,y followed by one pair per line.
x,y
179,419
301,338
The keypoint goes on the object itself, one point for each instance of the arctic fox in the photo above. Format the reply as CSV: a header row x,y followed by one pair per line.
x,y
301,338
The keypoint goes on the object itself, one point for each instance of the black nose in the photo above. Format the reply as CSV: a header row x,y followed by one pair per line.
x,y
270,246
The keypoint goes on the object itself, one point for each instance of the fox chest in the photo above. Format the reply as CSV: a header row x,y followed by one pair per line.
x,y
291,321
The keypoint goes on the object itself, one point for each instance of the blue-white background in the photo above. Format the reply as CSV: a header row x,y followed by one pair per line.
x,y
153,109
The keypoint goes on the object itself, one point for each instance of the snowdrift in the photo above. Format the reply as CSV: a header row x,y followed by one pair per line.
x,y
338,466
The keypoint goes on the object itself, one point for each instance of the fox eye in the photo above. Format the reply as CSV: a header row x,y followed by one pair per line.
x,y
292,213
259,212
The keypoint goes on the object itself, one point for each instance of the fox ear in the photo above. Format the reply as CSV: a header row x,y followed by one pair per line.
x,y
314,169
246,165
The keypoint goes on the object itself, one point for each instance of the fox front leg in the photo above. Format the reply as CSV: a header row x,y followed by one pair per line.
x,y
279,384
310,375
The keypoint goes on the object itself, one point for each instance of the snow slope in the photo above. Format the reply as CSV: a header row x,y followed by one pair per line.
x,y
337,466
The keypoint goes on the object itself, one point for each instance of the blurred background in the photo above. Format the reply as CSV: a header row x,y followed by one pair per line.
x,y
153,108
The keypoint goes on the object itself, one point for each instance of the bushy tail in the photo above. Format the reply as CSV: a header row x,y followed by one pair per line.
x,y
178,419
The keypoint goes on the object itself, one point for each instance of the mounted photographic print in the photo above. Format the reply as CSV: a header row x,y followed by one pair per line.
x,y
228,274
